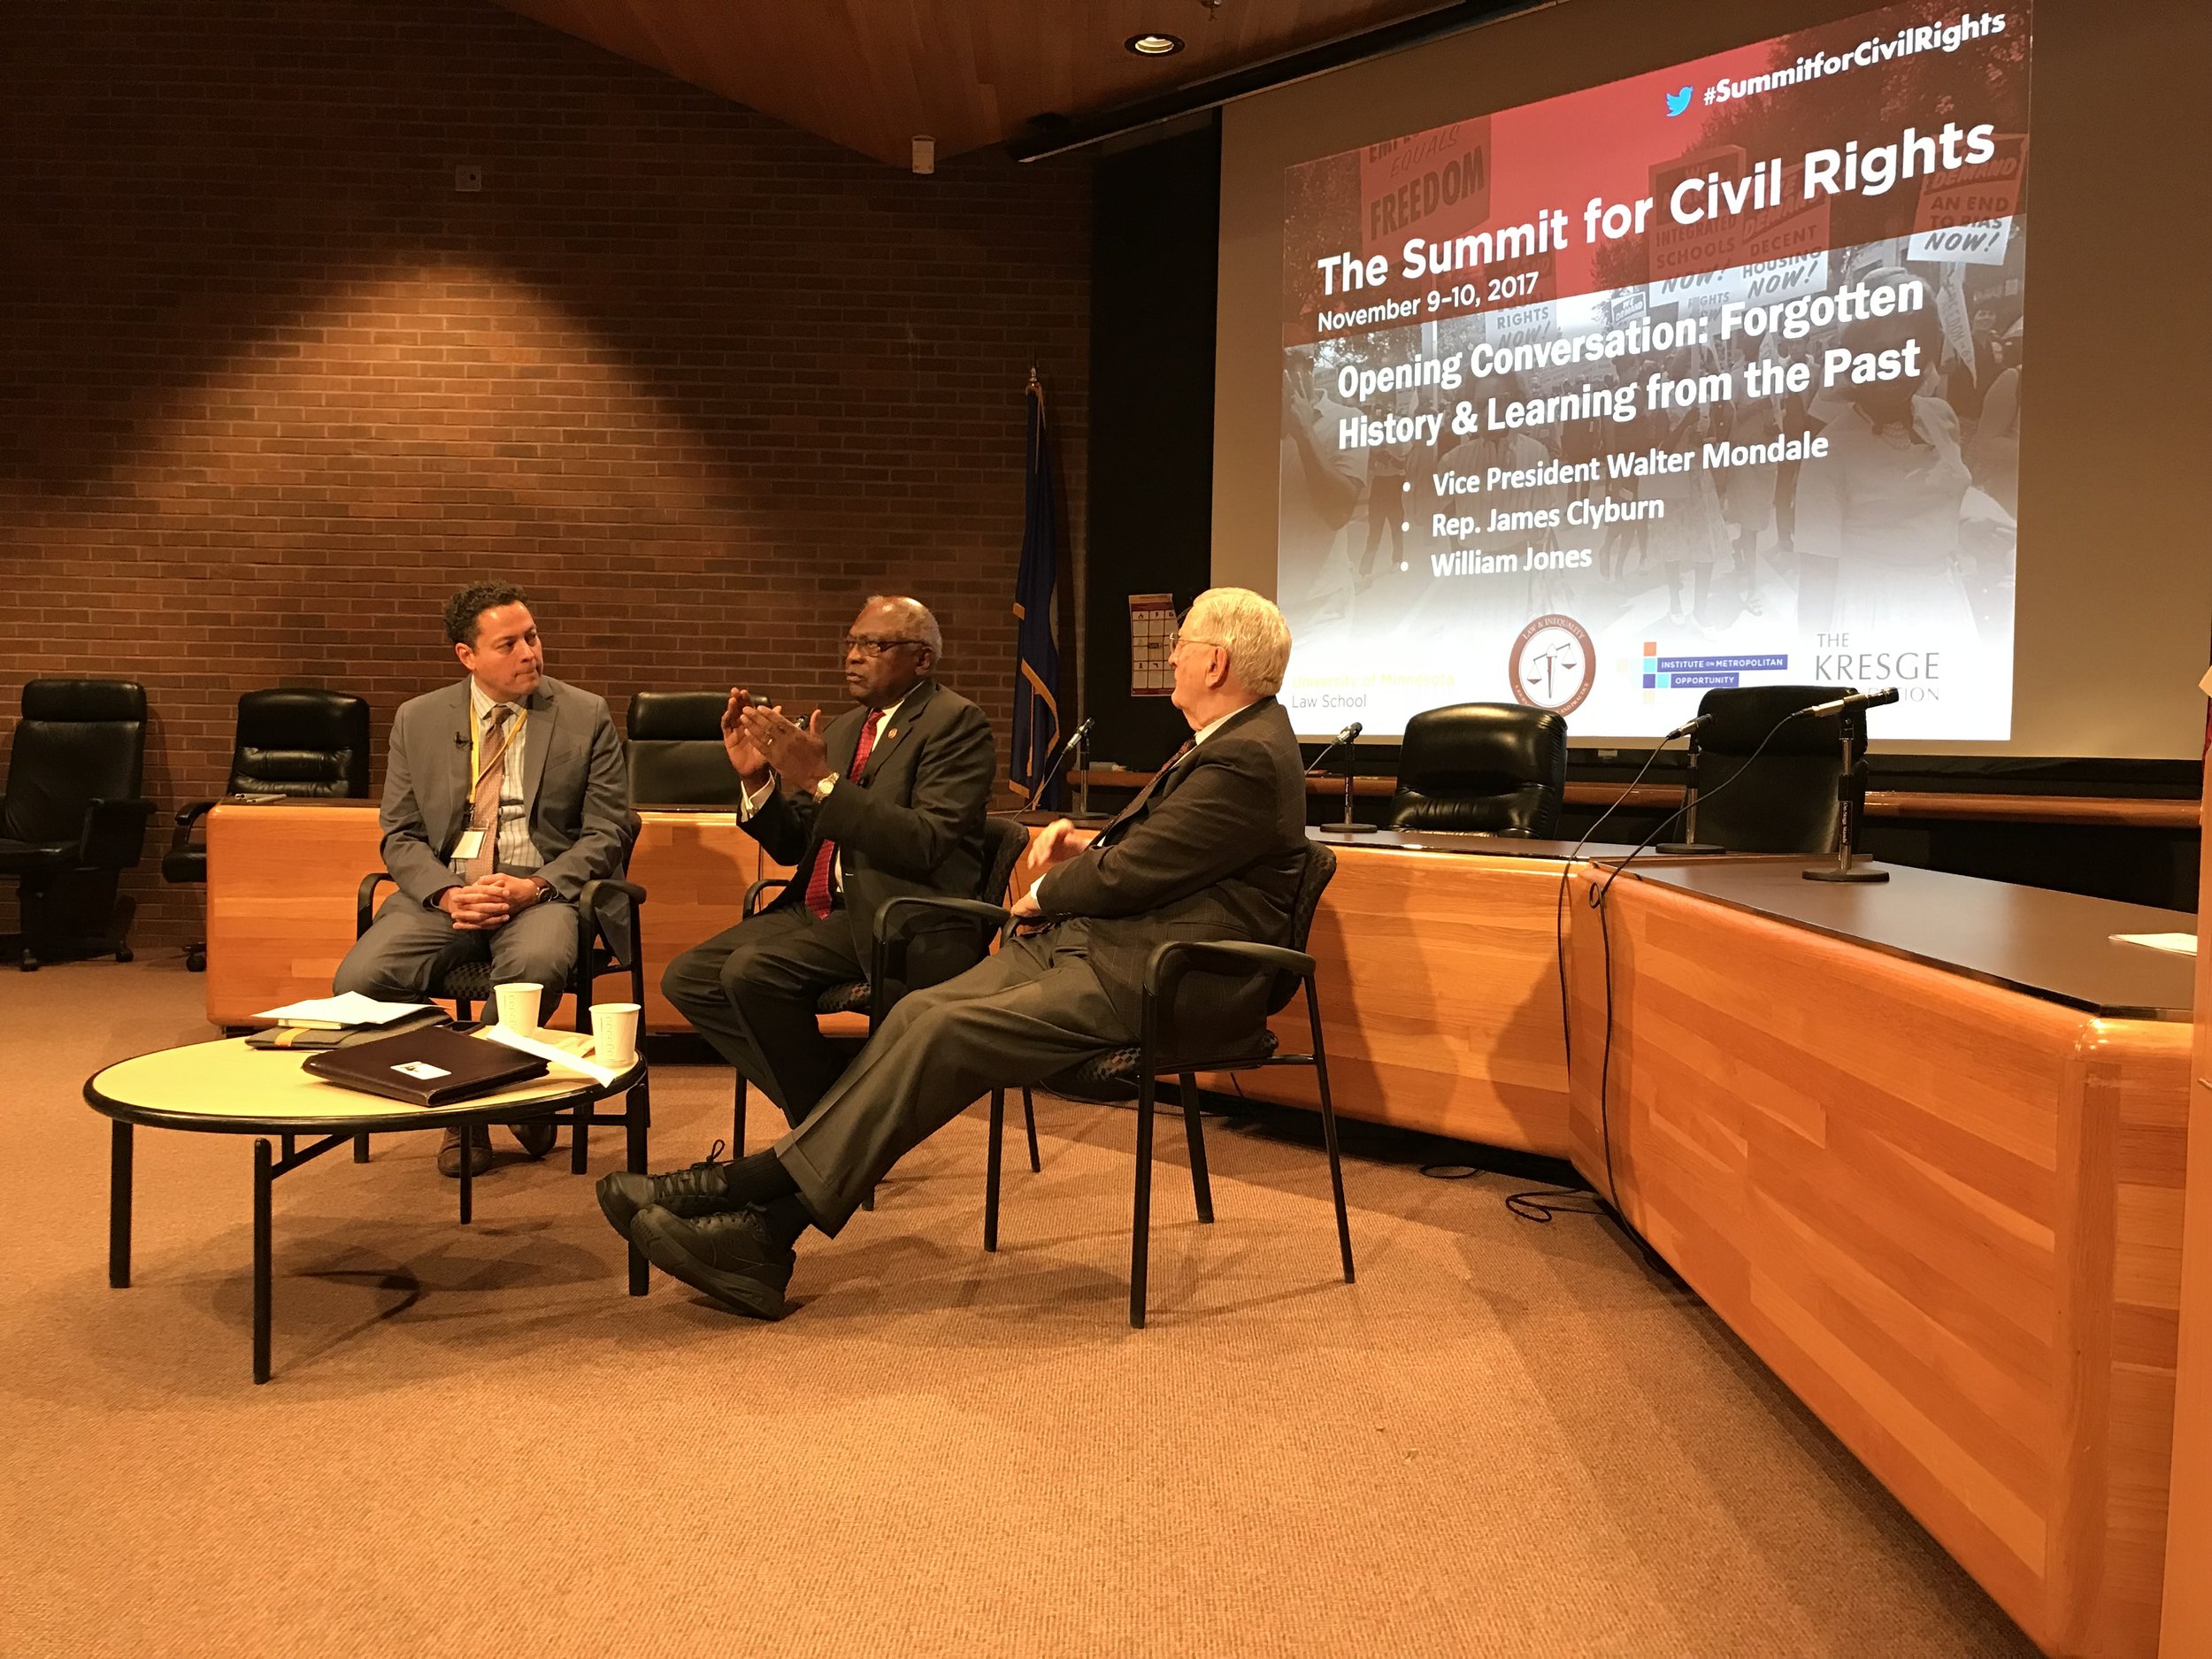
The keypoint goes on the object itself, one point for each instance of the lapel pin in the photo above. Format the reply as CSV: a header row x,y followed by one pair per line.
x,y
892,733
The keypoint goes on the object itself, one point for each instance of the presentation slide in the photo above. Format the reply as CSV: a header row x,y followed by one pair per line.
x,y
1707,378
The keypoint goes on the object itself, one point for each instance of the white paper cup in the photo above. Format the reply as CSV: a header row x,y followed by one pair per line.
x,y
614,1034
519,1008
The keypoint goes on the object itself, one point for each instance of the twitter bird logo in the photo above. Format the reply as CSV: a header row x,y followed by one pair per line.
x,y
1678,102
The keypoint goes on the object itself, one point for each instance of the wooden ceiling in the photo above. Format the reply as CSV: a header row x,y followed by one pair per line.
x,y
870,75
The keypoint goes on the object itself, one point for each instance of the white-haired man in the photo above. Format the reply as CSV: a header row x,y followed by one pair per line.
x,y
1213,848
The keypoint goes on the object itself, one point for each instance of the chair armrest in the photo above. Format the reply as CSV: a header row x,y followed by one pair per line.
x,y
897,920
751,904
589,921
1165,969
588,899
1169,962
187,817
114,835
365,901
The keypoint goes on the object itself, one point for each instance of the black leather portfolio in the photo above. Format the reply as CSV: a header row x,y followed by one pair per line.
x,y
432,1065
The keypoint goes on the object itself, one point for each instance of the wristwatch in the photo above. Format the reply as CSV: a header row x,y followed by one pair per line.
x,y
545,889
822,789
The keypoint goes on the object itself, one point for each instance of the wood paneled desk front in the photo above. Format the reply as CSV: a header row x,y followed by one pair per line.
x,y
1922,1146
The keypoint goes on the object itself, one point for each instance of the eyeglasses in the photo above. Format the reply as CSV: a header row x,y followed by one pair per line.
x,y
1178,639
853,642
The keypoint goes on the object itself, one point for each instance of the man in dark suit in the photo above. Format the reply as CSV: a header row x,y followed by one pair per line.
x,y
886,799
503,795
1213,848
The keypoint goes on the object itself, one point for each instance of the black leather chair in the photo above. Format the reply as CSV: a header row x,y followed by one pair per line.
x,y
290,741
1004,839
675,749
1781,797
1489,768
73,819
1126,1074
608,941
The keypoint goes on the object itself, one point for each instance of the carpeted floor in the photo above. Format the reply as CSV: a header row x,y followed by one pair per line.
x,y
1507,1438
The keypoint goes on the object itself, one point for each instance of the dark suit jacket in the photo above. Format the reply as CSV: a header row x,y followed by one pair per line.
x,y
1215,849
913,826
574,777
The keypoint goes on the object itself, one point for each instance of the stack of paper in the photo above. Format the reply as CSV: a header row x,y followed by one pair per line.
x,y
558,1049
341,1013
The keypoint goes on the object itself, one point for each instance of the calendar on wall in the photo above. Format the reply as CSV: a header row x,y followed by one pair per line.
x,y
1151,632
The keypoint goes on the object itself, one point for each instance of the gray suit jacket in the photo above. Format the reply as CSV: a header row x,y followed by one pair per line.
x,y
574,778
1213,849
913,827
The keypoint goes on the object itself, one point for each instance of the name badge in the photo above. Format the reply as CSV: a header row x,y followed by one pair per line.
x,y
472,842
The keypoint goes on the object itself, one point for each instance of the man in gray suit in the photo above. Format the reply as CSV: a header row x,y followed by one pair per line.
x,y
1213,848
503,795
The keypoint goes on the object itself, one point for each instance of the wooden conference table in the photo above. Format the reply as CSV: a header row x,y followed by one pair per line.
x,y
1921,1144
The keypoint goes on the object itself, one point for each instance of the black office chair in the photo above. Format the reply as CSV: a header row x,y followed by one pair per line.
x,y
289,740
608,941
1125,1074
71,819
1489,768
675,749
1004,839
1783,801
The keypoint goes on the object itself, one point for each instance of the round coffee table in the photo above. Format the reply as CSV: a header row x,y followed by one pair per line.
x,y
227,1089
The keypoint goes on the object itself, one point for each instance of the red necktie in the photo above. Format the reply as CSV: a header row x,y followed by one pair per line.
x,y
817,885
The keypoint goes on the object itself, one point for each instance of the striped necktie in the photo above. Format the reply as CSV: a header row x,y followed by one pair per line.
x,y
484,802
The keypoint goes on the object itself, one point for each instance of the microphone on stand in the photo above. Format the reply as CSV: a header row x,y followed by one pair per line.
x,y
1340,741
1081,733
1850,788
1689,843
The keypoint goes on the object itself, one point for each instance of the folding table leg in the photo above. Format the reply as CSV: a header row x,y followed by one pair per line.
x,y
263,1177
120,1205
468,1178
637,1113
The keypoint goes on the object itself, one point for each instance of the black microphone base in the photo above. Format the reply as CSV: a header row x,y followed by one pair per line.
x,y
1675,850
1856,872
1353,829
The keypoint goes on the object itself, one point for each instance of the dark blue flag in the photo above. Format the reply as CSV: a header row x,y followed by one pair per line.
x,y
1036,609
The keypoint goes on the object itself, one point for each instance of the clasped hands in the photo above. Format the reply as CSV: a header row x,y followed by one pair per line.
x,y
488,902
1053,848
758,739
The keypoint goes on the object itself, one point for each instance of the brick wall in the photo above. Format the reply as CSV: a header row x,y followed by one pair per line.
x,y
270,386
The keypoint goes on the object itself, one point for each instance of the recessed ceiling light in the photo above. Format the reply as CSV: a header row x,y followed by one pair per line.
x,y
1153,45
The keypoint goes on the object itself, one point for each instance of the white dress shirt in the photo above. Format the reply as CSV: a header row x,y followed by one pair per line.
x,y
513,849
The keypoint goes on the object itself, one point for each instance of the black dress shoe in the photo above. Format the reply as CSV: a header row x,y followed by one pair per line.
x,y
482,1158
729,1256
536,1136
706,1188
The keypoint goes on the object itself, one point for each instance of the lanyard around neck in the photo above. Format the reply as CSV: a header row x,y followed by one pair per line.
x,y
476,740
